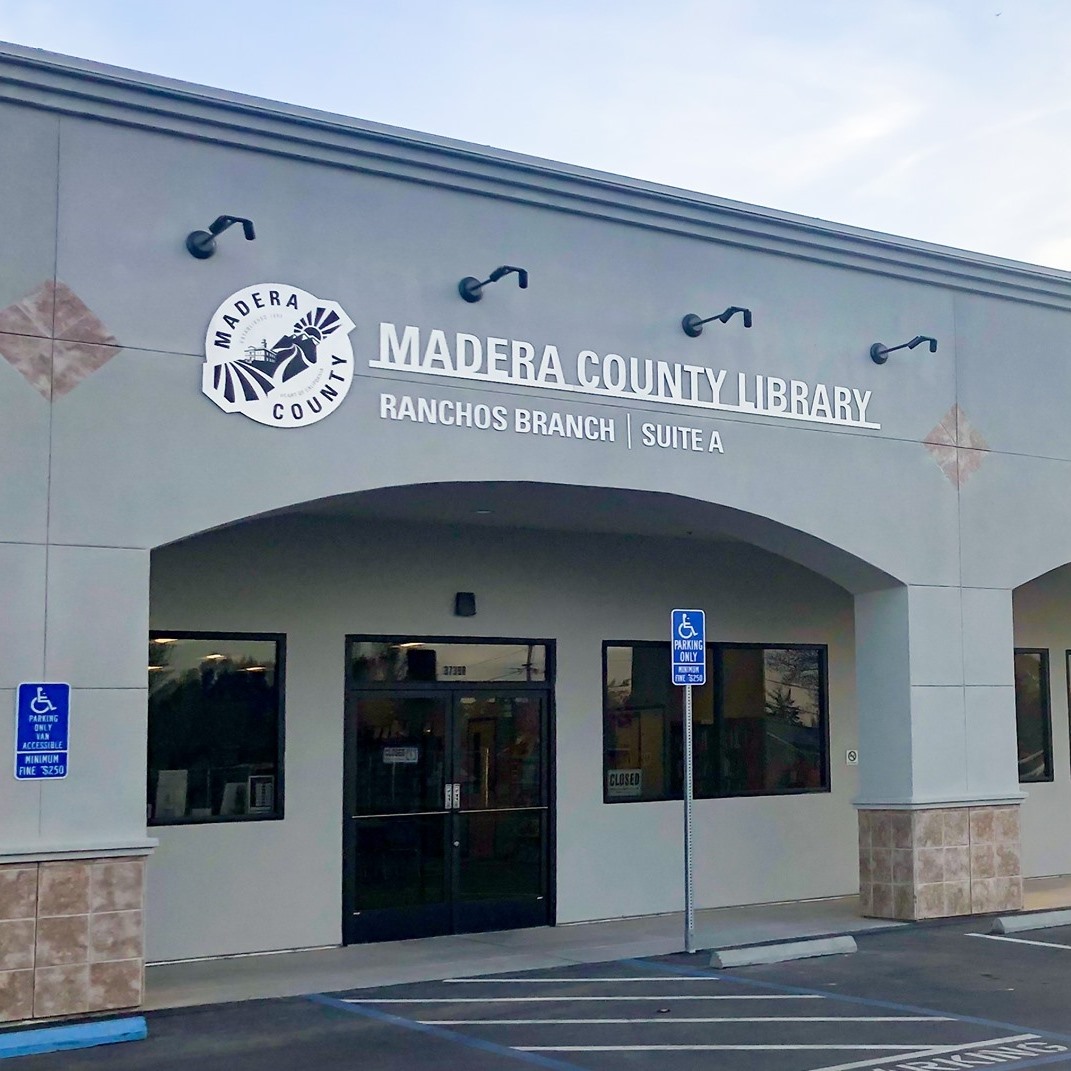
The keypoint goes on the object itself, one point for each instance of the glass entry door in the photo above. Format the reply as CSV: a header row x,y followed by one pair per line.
x,y
447,821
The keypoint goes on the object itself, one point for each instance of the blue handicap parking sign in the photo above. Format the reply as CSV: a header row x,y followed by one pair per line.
x,y
42,726
688,643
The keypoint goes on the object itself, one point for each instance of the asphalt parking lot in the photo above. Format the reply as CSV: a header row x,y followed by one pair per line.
x,y
925,998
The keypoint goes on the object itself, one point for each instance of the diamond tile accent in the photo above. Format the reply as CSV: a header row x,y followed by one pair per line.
x,y
74,361
30,355
54,311
957,447
76,320
33,315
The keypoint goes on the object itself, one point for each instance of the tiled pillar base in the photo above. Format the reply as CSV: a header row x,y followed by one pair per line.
x,y
942,861
70,938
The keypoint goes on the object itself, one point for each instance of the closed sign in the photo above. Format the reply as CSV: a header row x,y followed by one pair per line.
x,y
624,784
404,756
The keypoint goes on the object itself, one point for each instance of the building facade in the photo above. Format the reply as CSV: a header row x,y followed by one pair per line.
x,y
356,541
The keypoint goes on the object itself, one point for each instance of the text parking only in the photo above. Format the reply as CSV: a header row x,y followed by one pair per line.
x,y
42,725
689,635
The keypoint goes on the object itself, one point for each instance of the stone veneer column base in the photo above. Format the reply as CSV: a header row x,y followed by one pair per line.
x,y
71,939
941,861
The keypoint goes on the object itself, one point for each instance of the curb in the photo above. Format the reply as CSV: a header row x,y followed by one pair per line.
x,y
1038,920
782,951
80,1036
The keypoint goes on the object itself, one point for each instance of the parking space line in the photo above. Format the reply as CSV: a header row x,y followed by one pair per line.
x,y
1018,940
904,1052
568,998
711,1019
1026,1049
446,1035
842,998
565,981
933,1050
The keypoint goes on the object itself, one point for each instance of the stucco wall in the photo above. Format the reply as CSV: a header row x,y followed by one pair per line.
x,y
229,888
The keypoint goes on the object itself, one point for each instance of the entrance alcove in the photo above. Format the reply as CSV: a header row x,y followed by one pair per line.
x,y
571,568
1042,631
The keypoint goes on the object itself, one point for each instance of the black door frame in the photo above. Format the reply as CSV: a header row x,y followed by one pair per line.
x,y
450,691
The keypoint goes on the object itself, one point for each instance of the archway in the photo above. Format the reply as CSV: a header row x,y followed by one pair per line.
x,y
590,573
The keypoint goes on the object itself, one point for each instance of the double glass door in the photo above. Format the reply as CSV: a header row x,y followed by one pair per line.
x,y
447,818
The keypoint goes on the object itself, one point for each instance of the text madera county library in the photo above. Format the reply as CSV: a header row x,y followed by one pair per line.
x,y
388,456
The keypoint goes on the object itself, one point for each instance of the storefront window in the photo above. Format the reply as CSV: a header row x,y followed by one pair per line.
x,y
215,727
415,661
759,724
772,719
1033,728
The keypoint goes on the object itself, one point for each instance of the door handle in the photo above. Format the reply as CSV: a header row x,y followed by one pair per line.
x,y
448,797
457,795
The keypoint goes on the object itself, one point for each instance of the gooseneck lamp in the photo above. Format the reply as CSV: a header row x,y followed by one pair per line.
x,y
471,288
202,244
879,353
692,325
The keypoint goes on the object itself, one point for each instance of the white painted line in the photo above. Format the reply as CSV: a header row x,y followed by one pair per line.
x,y
914,1054
661,979
571,999
902,1049
1038,920
782,952
1018,940
935,1050
710,1019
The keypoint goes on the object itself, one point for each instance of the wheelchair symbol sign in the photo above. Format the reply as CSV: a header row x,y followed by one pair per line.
x,y
688,643
42,725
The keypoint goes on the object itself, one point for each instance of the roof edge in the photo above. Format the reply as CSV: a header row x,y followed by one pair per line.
x,y
85,88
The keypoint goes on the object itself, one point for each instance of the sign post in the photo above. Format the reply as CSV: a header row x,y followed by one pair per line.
x,y
42,726
688,644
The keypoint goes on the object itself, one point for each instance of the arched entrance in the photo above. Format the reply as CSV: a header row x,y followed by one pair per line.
x,y
394,701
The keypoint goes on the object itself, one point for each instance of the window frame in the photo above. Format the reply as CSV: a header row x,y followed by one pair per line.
x,y
408,685
1046,705
606,644
715,648
279,812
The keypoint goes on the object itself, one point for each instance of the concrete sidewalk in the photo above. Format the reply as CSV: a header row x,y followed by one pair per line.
x,y
174,985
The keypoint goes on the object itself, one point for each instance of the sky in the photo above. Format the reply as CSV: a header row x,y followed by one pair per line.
x,y
946,121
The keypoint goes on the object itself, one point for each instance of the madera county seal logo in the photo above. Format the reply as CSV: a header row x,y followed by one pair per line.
x,y
279,355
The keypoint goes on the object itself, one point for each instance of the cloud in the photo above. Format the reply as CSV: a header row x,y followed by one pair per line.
x,y
936,119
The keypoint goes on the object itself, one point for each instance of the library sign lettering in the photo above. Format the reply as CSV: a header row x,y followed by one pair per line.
x,y
283,357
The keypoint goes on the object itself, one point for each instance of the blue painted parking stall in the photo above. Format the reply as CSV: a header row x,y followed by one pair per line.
x,y
590,1018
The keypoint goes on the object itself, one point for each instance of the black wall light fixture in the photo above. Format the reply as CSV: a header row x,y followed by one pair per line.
x,y
202,244
879,354
471,288
693,326
465,604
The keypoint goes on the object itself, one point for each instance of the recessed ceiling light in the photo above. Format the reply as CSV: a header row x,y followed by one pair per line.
x,y
483,512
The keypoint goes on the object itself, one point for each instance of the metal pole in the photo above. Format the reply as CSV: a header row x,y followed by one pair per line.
x,y
689,891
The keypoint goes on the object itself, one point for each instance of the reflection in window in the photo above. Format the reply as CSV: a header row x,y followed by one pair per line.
x,y
392,661
215,721
759,724
642,727
773,736
1032,726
